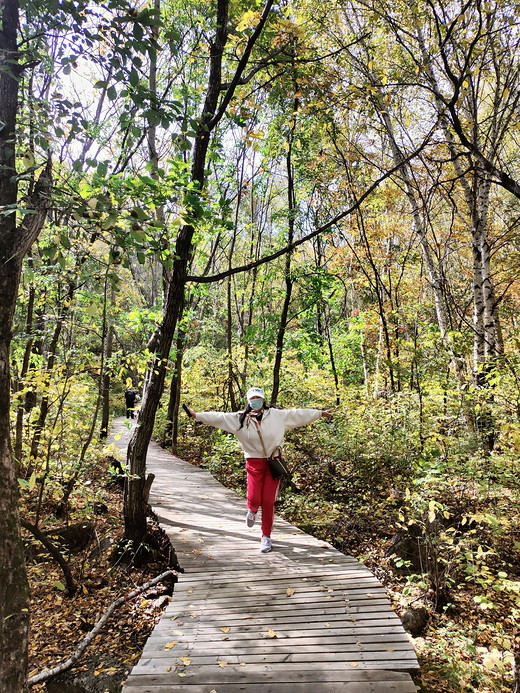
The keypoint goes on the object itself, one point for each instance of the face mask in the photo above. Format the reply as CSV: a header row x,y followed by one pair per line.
x,y
256,403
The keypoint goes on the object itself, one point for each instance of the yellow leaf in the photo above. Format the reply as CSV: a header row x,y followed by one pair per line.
x,y
221,663
186,661
287,146
225,630
169,645
145,602
247,20
290,591
32,481
271,633
242,664
180,673
354,664
85,590
407,493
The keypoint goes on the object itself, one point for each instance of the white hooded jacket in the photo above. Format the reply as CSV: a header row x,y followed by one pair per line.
x,y
273,425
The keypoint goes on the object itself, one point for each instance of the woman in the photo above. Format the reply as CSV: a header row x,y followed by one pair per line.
x,y
255,424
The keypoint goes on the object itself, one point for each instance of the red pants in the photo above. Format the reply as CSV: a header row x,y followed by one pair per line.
x,y
262,490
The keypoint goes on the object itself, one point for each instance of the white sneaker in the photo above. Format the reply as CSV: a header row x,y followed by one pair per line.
x,y
265,544
250,518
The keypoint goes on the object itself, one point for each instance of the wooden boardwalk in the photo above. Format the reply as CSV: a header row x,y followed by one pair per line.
x,y
302,618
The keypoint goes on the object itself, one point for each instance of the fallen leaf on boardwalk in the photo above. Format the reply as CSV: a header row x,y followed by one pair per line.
x,y
190,591
199,553
169,645
327,625
179,632
290,591
330,589
370,596
213,691
354,664
390,650
186,661
225,630
221,663
180,623
209,555
271,633
169,669
180,673
242,664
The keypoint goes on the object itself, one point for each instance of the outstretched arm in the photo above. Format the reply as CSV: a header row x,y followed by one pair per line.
x,y
293,418
225,421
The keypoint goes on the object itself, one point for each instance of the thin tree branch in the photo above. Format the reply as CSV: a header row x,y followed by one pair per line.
x,y
288,248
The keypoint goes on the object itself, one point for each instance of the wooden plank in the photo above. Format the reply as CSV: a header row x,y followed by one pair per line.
x,y
333,643
260,673
334,659
403,685
274,687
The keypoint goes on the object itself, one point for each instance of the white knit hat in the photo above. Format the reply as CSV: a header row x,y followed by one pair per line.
x,y
255,392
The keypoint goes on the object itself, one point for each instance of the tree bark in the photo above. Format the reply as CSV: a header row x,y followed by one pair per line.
x,y
14,243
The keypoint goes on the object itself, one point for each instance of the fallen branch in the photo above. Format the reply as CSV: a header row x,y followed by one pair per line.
x,y
49,673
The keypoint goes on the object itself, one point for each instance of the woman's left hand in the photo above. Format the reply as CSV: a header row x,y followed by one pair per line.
x,y
327,413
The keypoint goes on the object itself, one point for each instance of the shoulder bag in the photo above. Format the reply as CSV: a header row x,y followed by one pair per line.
x,y
277,465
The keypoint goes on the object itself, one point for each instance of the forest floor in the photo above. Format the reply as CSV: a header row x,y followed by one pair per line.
x,y
59,622
460,650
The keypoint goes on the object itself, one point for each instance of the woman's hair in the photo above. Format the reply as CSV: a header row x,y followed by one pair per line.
x,y
243,414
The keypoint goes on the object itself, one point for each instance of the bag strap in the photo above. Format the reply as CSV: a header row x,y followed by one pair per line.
x,y
261,438
263,444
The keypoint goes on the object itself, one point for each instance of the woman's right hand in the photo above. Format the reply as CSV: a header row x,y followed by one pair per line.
x,y
192,412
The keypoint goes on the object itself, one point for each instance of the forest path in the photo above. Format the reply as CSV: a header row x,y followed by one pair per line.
x,y
303,617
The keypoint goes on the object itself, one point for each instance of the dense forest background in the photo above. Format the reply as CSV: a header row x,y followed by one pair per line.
x,y
321,198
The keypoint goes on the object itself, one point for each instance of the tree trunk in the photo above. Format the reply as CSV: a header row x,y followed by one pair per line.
x,y
172,419
137,486
291,207
109,342
14,592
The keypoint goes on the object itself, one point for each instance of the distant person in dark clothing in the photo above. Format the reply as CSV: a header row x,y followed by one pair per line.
x,y
130,400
